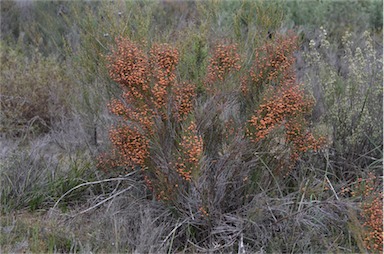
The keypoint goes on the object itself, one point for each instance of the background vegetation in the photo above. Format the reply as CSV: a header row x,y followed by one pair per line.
x,y
215,176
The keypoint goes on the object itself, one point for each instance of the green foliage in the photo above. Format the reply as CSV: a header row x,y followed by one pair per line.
x,y
35,25
33,233
351,91
10,17
94,25
335,16
193,59
255,21
35,91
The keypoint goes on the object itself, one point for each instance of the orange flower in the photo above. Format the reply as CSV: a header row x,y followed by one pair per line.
x,y
191,148
372,211
131,146
164,60
284,103
128,66
224,61
150,93
183,100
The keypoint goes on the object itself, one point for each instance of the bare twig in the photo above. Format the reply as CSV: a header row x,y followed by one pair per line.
x,y
330,184
91,183
102,202
173,231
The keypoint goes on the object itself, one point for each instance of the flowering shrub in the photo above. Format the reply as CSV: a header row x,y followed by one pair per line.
x,y
274,61
191,148
159,129
371,211
152,106
184,94
132,146
224,61
163,63
373,217
282,101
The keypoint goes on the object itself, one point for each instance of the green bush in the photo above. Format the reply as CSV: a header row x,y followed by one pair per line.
x,y
335,16
350,92
35,91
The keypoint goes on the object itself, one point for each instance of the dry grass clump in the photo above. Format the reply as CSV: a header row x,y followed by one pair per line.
x,y
23,232
36,176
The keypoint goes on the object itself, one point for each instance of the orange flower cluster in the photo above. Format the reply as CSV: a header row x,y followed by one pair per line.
x,y
132,146
105,162
373,216
372,212
274,61
284,103
203,211
191,147
150,93
164,60
140,115
244,80
148,182
184,94
301,139
225,59
128,66
287,109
